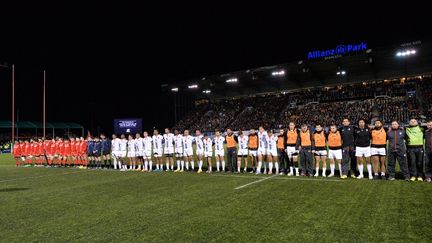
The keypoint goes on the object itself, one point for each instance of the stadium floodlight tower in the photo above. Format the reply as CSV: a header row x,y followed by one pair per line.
x,y
193,86
341,73
175,89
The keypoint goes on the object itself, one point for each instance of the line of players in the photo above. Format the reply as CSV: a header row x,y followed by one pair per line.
x,y
347,146
51,152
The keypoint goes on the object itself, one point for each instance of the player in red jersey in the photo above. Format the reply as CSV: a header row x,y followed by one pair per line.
x,y
33,151
73,151
46,143
49,151
40,152
60,151
27,152
79,160
17,153
83,151
57,155
67,153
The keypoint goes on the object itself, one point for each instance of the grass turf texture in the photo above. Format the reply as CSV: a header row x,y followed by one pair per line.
x,y
66,204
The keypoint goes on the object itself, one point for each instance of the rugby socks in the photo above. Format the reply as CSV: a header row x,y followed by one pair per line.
x,y
369,169
167,165
182,164
150,165
187,165
223,165
360,168
178,164
146,165
270,167
340,169
217,165
332,167
192,165
277,167
259,167
200,165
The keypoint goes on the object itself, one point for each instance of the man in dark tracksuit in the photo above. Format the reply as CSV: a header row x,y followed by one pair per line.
x,y
97,149
348,150
428,151
305,145
283,157
231,141
397,150
414,140
106,150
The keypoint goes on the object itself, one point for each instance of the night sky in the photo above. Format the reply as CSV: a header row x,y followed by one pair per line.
x,y
108,60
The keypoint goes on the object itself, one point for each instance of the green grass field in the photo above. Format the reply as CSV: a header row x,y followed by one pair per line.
x,y
66,204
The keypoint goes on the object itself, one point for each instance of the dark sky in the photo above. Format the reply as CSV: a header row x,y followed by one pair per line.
x,y
106,60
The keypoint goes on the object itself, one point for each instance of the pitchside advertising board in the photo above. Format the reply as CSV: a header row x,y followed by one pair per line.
x,y
128,125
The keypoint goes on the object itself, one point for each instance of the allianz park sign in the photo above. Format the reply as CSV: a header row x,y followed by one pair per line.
x,y
340,50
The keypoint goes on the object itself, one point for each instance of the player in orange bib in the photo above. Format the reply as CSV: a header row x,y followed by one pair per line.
x,y
378,149
320,150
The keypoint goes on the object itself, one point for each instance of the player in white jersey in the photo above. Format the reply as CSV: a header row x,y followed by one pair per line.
x,y
158,149
272,154
178,149
139,143
115,149
208,152
188,149
169,149
262,149
131,152
219,151
242,151
148,163
198,140
122,152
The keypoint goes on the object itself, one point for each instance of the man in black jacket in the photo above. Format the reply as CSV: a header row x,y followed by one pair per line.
x,y
428,151
397,150
348,149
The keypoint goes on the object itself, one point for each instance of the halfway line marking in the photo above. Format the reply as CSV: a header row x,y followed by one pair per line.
x,y
253,182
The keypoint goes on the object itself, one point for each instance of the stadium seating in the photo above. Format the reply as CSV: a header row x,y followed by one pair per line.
x,y
398,99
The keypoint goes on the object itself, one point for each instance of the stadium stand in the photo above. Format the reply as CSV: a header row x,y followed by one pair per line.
x,y
398,99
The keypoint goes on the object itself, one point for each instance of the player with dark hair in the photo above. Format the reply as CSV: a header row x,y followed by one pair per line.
x,y
319,149
305,145
349,161
362,145
378,149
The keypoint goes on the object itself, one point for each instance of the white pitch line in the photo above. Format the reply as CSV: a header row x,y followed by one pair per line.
x,y
253,182
282,178
41,176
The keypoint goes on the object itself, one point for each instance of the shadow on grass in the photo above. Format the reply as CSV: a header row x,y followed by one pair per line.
x,y
13,189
